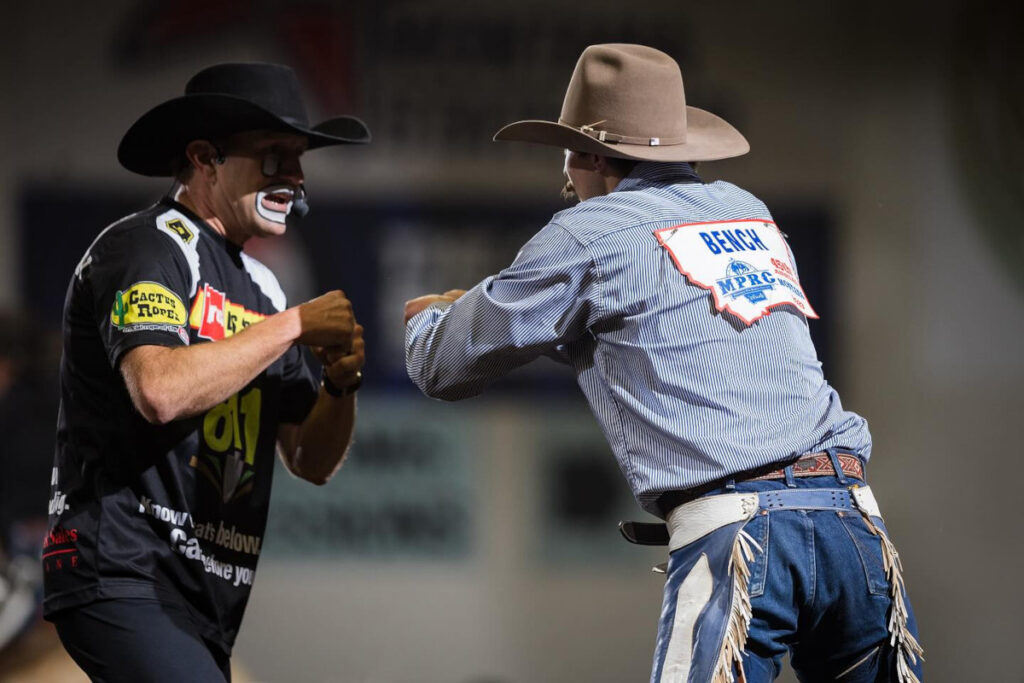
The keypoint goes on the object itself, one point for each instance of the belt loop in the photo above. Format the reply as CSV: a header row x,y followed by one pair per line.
x,y
790,479
730,484
838,466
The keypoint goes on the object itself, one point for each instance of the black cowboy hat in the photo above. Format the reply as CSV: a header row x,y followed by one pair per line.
x,y
222,100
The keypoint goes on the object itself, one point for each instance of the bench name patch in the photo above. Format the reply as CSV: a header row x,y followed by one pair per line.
x,y
744,264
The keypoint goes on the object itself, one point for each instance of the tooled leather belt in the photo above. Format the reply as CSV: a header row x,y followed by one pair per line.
x,y
818,465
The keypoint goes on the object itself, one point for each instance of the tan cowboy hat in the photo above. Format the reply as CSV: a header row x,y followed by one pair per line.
x,y
627,101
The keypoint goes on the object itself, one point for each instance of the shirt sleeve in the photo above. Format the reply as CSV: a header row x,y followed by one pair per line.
x,y
547,298
140,286
299,386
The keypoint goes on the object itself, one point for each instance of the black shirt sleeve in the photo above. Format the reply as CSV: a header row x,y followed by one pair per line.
x,y
300,386
140,285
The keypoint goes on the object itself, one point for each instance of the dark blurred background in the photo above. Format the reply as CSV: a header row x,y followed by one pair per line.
x,y
476,542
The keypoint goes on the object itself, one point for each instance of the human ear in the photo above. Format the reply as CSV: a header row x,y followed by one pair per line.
x,y
203,156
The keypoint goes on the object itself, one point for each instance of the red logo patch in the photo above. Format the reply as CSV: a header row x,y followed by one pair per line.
x,y
212,325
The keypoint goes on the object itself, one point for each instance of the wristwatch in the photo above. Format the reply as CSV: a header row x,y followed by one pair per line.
x,y
339,392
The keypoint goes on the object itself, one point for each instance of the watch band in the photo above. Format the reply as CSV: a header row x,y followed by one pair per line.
x,y
339,392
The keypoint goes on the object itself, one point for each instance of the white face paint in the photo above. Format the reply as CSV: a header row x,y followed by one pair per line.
x,y
274,202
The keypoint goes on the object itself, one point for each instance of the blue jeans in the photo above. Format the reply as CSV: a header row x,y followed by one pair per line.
x,y
818,589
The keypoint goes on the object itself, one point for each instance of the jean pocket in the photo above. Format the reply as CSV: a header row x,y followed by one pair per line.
x,y
869,548
757,528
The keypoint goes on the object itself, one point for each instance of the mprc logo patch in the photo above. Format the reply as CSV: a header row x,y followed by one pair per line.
x,y
147,305
745,264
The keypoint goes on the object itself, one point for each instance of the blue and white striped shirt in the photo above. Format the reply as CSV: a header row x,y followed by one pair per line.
x,y
685,394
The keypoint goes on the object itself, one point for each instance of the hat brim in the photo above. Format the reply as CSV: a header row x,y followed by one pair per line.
x,y
708,138
152,144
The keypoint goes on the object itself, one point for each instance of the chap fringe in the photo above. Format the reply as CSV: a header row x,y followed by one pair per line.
x,y
908,650
730,657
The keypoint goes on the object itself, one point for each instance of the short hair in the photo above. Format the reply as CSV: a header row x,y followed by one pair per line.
x,y
181,168
622,167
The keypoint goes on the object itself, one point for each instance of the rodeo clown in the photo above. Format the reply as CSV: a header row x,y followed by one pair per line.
x,y
181,375
677,304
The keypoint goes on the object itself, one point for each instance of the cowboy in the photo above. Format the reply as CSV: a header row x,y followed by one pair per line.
x,y
182,372
677,304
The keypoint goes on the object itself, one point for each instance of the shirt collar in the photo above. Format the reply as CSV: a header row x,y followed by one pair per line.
x,y
218,238
648,173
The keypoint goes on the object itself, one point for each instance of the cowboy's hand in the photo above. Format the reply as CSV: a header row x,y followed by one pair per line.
x,y
414,306
327,321
343,366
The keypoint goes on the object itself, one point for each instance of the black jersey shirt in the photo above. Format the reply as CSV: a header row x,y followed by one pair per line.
x,y
177,511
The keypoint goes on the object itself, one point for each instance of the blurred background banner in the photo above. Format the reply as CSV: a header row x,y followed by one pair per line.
x,y
476,541
410,492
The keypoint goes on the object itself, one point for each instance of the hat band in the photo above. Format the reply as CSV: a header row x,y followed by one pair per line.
x,y
615,138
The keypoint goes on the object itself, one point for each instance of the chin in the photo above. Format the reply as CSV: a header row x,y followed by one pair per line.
x,y
269,228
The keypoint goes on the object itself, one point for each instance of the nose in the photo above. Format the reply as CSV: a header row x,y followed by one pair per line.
x,y
284,166
291,171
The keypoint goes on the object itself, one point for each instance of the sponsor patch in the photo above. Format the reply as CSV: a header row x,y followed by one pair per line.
x,y
60,549
744,264
217,317
147,306
178,227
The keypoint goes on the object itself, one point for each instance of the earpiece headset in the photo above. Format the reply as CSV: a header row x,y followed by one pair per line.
x,y
299,205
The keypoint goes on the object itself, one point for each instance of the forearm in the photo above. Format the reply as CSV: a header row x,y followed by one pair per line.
x,y
455,352
323,439
431,365
172,383
549,297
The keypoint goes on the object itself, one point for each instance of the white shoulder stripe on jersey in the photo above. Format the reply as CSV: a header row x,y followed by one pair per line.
x,y
266,280
185,234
